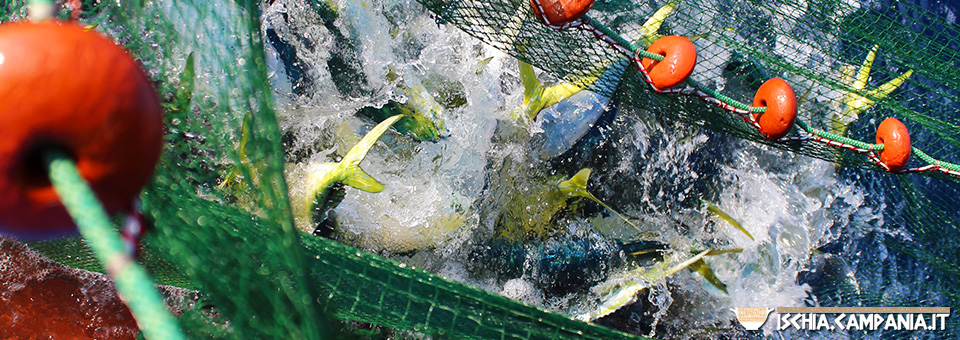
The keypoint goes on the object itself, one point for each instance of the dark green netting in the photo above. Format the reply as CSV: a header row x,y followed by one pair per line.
x,y
738,49
236,244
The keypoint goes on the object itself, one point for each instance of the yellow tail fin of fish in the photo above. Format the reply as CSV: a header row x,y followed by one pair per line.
x,y
576,186
348,171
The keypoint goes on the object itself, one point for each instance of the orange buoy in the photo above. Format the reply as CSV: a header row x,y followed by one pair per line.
x,y
67,88
560,12
781,103
679,58
896,144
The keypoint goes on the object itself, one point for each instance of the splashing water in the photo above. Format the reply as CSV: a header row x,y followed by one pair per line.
x,y
438,195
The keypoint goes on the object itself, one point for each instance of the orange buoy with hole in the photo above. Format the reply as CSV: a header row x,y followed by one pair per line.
x,y
63,87
679,58
560,12
896,144
781,103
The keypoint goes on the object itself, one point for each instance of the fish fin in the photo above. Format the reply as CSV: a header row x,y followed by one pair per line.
x,y
884,90
680,266
724,216
357,178
576,186
532,89
860,82
805,95
652,25
482,65
356,154
704,270
697,37
557,93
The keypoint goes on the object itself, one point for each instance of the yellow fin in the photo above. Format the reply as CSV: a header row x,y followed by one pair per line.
x,y
348,170
357,178
536,97
855,103
860,82
557,93
620,294
724,216
359,151
707,273
576,186
652,25
680,266
884,90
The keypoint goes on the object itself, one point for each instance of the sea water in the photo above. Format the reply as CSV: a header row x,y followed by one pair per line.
x,y
649,169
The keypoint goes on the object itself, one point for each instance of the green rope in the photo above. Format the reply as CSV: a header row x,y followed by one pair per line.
x,y
760,109
926,158
620,40
633,49
732,102
838,138
134,285
615,37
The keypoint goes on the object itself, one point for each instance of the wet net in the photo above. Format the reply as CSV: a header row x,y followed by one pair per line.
x,y
842,60
237,244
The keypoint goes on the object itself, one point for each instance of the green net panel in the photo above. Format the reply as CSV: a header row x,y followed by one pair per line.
x,y
236,244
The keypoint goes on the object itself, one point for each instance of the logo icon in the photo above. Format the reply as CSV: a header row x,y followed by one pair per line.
x,y
752,318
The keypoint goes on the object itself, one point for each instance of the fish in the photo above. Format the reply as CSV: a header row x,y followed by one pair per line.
x,y
568,121
564,111
855,103
563,265
712,208
422,113
319,187
748,68
531,212
621,290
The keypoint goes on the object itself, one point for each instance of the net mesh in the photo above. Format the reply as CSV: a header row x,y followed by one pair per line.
x,y
236,243
817,46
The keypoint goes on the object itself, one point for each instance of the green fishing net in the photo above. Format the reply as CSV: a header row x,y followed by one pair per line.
x,y
236,243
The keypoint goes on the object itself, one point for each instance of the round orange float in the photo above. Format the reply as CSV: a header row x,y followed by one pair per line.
x,y
63,87
679,58
560,12
896,144
781,103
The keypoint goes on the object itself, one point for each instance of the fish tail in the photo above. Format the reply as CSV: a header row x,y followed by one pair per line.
x,y
349,171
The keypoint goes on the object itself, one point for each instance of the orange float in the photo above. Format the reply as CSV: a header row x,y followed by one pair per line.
x,y
560,12
63,87
896,144
679,58
781,103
